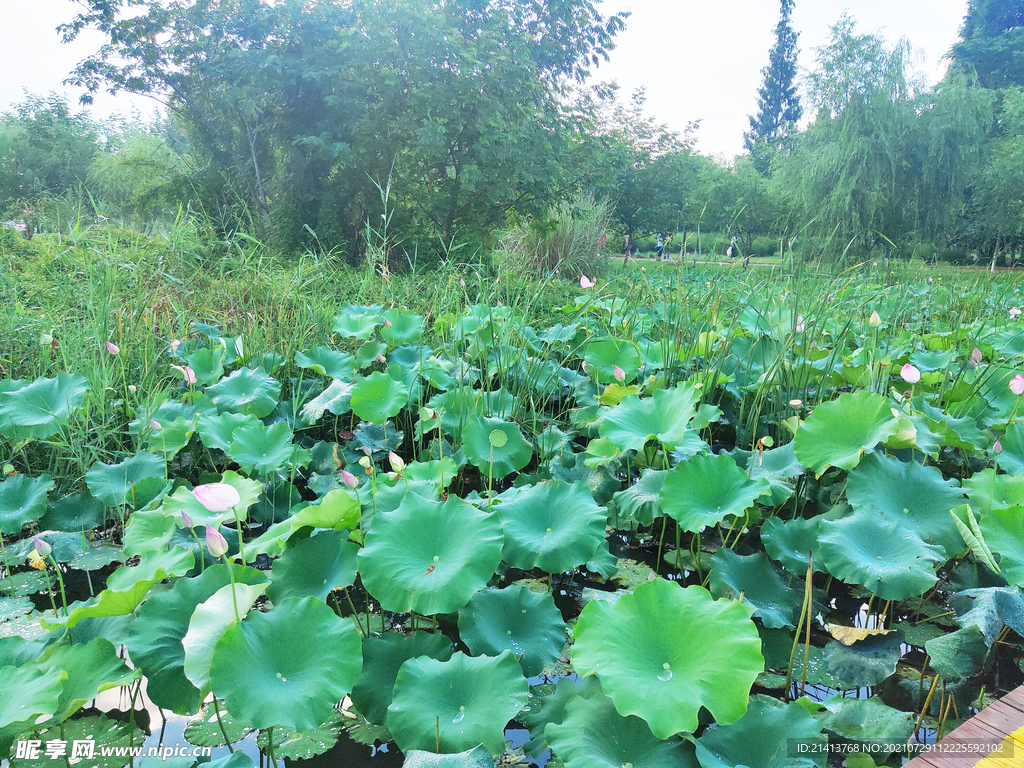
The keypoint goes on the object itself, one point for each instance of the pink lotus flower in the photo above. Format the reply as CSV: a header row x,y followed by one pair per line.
x,y
215,542
1017,385
620,375
188,373
350,480
217,497
382,359
910,374
997,447
186,521
112,348
42,548
586,282
799,324
396,461
1014,312
976,356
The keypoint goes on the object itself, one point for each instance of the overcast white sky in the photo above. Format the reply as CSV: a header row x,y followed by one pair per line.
x,y
699,59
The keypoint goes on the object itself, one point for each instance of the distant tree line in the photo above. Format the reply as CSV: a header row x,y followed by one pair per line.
x,y
306,121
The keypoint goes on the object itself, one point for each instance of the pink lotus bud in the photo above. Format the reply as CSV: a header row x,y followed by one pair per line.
x,y
620,375
215,542
910,374
997,447
875,320
350,480
396,461
217,497
1014,312
387,323
1017,385
976,356
156,425
188,373
112,348
186,521
42,548
586,282
175,343
382,359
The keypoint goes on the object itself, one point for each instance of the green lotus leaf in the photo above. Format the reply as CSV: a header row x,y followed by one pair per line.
x,y
1012,441
90,668
98,555
219,431
605,353
665,417
837,433
147,531
641,501
41,409
382,658
357,322
22,501
958,655
154,565
547,705
13,608
430,556
134,482
31,691
867,721
990,491
495,447
65,547
593,735
288,667
515,619
303,745
336,398
989,609
703,490
777,603
262,449
456,704
911,494
663,652
183,500
209,727
172,437
791,542
75,512
315,566
378,397
109,602
889,559
778,466
440,473
211,619
247,390
328,362
865,663
207,364
155,635
337,510
762,737
405,327
553,525
478,757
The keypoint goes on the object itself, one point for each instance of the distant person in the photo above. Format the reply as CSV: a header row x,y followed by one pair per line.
x,y
661,246
627,246
665,252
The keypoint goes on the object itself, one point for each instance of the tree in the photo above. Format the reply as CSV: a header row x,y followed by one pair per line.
x,y
778,103
992,42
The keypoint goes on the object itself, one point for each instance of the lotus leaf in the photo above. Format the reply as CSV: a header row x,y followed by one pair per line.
x,y
134,481
154,565
207,364
328,362
22,501
867,720
704,489
378,397
640,502
1003,530
553,525
777,604
547,705
315,566
990,609
663,652
791,542
838,433
90,668
880,554
864,663
456,704
382,658
665,417
959,654
336,398
495,447
355,321
247,390
605,353
75,512
763,737
295,745
593,734
514,619
473,758
41,409
430,556
910,494
30,691
401,327
111,740
288,667
218,431
211,619
262,449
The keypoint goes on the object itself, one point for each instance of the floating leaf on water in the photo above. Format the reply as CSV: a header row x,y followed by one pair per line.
x,y
763,737
703,490
22,501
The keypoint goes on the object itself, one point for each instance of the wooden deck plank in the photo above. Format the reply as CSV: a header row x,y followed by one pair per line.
x,y
1001,720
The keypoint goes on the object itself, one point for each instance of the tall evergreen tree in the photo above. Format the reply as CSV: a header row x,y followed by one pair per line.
x,y
778,103
992,42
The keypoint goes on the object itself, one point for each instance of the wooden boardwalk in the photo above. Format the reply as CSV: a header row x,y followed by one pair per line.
x,y
999,723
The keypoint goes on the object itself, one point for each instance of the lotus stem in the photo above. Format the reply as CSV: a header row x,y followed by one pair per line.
x,y
927,701
804,610
234,597
223,730
808,595
7,565
270,746
355,613
60,581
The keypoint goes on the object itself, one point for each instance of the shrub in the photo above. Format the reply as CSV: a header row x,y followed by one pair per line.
x,y
569,242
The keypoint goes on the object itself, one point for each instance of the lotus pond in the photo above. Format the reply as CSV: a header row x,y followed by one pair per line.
x,y
660,533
